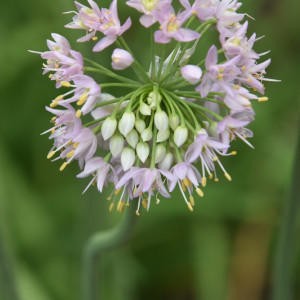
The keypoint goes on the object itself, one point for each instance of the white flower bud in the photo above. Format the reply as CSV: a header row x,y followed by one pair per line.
x,y
116,145
161,120
127,158
180,135
153,101
147,134
167,162
126,123
145,109
174,121
160,152
163,136
213,129
121,59
191,74
132,138
140,125
142,150
108,127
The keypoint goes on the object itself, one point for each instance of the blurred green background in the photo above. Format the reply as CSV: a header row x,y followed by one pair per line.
x,y
223,250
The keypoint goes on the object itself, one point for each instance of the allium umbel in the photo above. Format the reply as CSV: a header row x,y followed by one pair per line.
x,y
175,119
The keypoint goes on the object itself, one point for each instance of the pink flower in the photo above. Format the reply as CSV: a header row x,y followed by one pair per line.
x,y
121,59
171,26
148,8
102,172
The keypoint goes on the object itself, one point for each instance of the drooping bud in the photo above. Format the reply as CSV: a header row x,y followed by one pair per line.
x,y
160,152
191,74
140,125
174,121
163,136
126,123
180,135
108,127
167,162
142,150
127,158
121,59
145,109
116,145
132,138
161,120
147,134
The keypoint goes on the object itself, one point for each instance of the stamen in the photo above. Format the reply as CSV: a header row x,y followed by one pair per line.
x,y
63,166
51,154
199,192
204,181
111,207
78,113
190,206
228,176
65,83
263,99
70,154
192,201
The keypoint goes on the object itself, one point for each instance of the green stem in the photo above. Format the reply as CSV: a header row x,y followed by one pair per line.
x,y
7,282
126,85
100,243
111,74
153,66
284,273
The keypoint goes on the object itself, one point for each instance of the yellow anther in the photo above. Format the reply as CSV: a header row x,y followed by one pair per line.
x,y
50,76
63,166
127,204
220,76
58,98
192,200
190,206
111,207
145,203
204,181
194,12
211,176
53,119
234,153
78,113
70,154
216,179
254,89
221,70
93,183
82,99
199,192
54,104
116,192
236,87
186,181
65,83
75,145
228,176
70,143
160,27
120,206
249,80
134,191
53,130
157,201
137,213
183,186
263,99
108,198
51,154
244,68
215,158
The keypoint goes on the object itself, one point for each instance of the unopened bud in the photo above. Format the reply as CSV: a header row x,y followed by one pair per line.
x,y
167,162
161,120
108,127
116,145
147,134
174,121
163,136
140,125
132,138
142,150
145,109
121,59
126,123
127,158
180,135
160,152
191,74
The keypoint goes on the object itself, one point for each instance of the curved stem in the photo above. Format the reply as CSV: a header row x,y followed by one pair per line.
x,y
283,277
100,243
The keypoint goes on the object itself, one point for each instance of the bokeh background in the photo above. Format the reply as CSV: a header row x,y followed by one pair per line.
x,y
225,249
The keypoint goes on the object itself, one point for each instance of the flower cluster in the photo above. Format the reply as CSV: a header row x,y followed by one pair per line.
x,y
177,119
